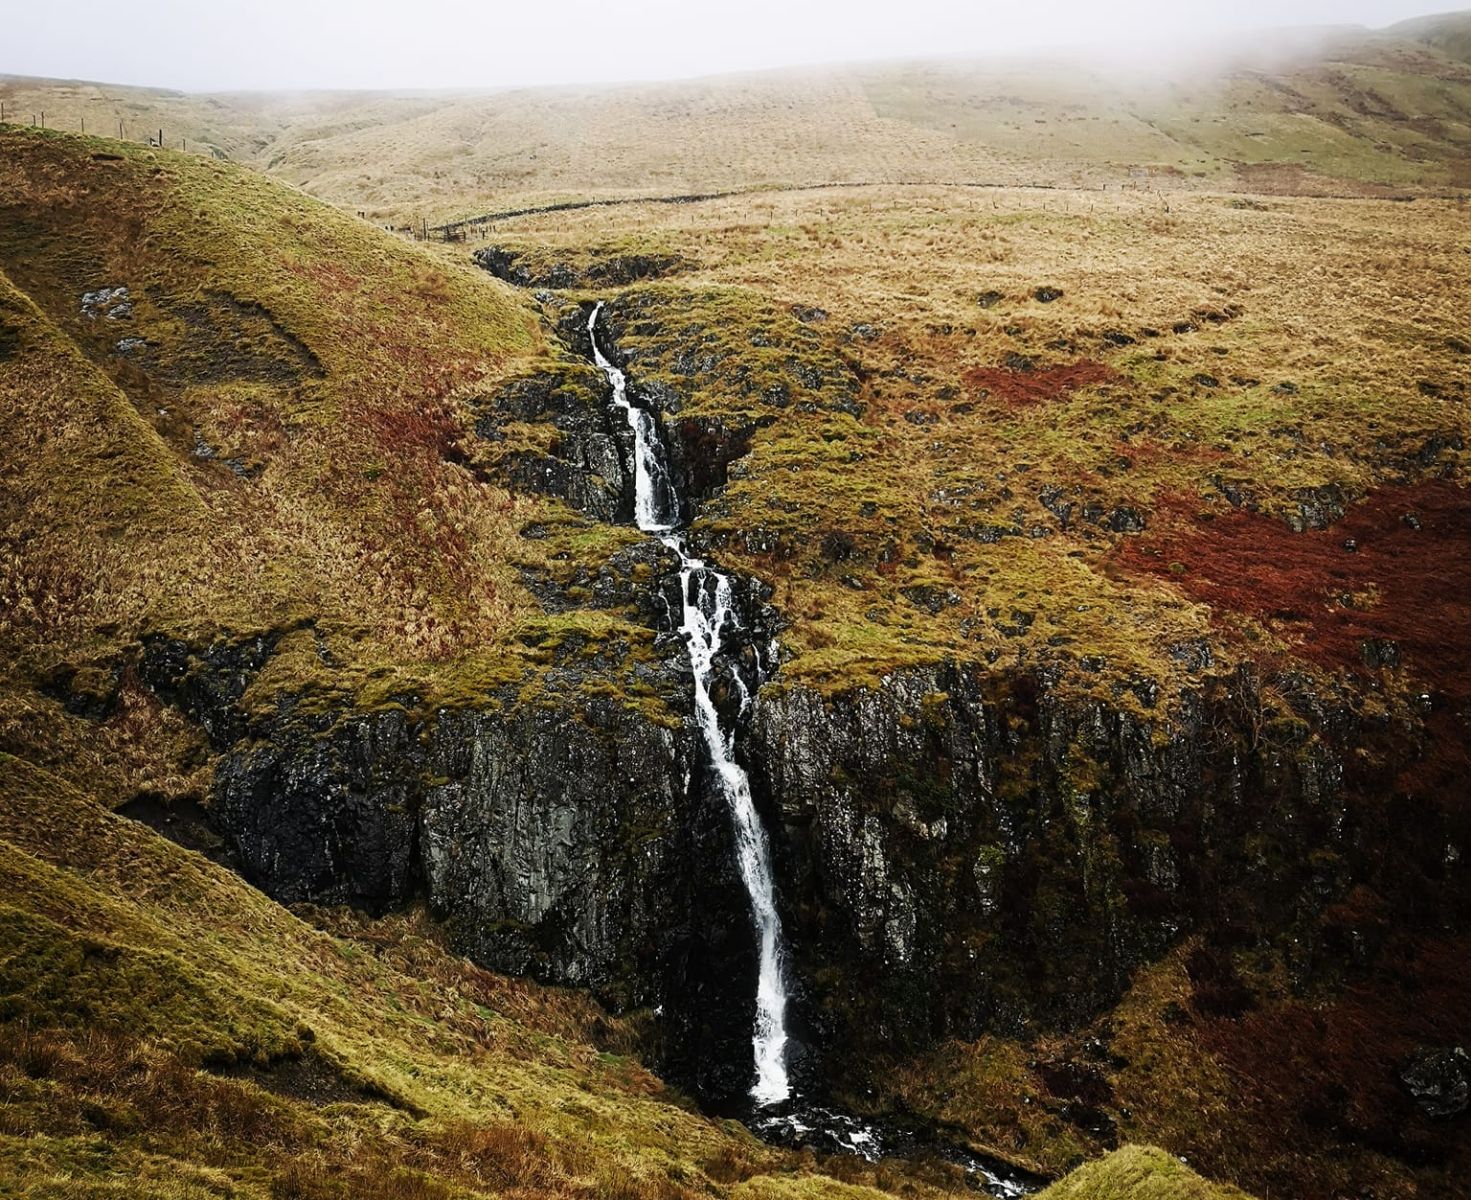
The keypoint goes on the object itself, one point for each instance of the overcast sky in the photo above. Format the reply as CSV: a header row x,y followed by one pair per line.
x,y
227,44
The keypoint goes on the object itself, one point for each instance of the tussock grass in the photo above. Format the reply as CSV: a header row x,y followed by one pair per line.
x,y
1138,1173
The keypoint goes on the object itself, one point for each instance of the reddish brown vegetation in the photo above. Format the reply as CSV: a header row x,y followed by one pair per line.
x,y
1024,388
1374,577
1335,1066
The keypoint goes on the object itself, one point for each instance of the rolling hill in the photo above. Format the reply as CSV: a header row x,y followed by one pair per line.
x,y
1309,111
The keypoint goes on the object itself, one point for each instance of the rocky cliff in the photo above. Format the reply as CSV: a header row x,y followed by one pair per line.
x,y
959,849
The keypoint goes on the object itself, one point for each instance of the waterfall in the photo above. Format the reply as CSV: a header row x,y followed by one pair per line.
x,y
708,613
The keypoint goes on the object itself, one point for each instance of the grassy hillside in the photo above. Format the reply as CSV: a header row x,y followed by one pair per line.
x,y
1344,110
1136,443
1204,363
1138,1173
266,431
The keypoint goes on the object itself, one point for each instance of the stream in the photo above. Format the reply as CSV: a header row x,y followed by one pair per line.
x,y
778,1114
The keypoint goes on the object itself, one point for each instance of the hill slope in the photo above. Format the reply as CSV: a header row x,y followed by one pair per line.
x,y
1301,112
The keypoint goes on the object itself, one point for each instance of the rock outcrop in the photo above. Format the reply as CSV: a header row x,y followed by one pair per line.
x,y
963,852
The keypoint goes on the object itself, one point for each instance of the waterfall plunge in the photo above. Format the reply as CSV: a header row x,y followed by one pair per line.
x,y
706,597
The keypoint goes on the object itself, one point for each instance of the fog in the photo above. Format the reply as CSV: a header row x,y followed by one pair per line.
x,y
198,45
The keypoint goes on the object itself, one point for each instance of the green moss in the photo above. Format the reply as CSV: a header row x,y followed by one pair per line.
x,y
1138,1173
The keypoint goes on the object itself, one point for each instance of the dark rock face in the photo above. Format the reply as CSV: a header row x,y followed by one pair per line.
x,y
702,451
553,846
574,839
613,270
585,463
961,853
550,840
1317,508
1439,1081
322,808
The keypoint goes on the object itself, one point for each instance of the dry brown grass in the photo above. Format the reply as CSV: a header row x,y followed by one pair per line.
x,y
1356,112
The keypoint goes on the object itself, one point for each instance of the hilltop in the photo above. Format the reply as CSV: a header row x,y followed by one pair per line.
x,y
1313,111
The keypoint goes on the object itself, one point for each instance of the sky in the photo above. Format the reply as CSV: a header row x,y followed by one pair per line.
x,y
217,45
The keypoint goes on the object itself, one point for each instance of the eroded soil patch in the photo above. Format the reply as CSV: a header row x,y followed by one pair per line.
x,y
1018,388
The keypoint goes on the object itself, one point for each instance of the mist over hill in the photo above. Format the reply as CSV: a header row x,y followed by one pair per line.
x,y
1300,111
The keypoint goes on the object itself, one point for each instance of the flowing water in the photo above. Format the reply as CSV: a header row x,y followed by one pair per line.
x,y
708,616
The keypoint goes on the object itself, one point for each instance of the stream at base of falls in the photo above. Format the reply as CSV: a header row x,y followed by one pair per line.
x,y
708,619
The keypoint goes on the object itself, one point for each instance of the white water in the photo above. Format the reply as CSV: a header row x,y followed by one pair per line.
x,y
707,613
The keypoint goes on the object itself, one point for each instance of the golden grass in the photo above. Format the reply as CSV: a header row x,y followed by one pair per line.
x,y
1353,112
1330,329
1139,1173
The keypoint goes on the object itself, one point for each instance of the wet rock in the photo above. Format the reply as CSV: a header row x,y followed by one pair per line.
x,y
863,332
322,807
1054,500
1439,1081
809,314
1205,381
549,846
504,265
1379,652
910,827
1194,654
207,682
525,269
585,464
1316,507
702,451
932,599
1232,491
1125,519
114,303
